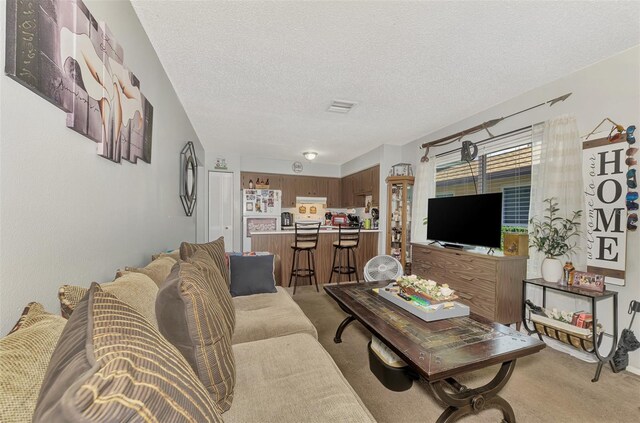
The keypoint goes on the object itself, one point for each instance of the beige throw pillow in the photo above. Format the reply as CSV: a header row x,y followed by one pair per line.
x,y
157,270
135,289
24,356
174,254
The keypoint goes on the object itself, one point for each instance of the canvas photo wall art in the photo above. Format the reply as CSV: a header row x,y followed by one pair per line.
x,y
59,50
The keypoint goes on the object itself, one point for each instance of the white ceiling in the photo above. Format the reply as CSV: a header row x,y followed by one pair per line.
x,y
256,78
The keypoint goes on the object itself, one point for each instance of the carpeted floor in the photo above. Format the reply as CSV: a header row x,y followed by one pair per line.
x,y
546,387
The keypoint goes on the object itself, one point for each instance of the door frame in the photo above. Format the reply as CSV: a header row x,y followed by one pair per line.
x,y
232,241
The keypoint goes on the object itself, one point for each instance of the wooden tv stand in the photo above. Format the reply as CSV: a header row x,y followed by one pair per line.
x,y
490,284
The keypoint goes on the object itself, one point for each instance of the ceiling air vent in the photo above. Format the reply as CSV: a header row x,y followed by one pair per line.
x,y
341,106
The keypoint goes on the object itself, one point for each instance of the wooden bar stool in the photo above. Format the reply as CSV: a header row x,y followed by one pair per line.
x,y
306,239
348,240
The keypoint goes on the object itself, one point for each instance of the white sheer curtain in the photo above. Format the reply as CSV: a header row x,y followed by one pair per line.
x,y
424,187
556,172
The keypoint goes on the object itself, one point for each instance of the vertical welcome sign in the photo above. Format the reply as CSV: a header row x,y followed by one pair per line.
x,y
604,180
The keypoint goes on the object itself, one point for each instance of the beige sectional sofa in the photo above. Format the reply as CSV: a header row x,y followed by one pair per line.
x,y
263,316
291,379
282,372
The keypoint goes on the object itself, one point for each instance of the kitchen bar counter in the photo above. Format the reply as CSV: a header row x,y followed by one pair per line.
x,y
323,230
279,242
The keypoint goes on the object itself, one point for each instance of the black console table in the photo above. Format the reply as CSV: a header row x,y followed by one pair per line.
x,y
596,339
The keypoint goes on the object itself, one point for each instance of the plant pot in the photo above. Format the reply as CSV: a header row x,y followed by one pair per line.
x,y
551,269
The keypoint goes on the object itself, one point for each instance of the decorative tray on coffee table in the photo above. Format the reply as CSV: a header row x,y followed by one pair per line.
x,y
424,298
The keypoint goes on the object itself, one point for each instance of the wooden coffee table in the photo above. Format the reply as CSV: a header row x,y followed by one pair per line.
x,y
439,351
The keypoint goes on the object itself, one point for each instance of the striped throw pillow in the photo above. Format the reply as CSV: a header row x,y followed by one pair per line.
x,y
202,261
215,250
191,317
111,364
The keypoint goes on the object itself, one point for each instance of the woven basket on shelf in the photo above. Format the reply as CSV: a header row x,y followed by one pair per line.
x,y
579,338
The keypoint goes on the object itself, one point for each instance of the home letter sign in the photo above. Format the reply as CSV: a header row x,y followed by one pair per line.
x,y
604,179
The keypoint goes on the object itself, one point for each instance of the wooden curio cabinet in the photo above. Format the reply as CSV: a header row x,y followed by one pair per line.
x,y
399,198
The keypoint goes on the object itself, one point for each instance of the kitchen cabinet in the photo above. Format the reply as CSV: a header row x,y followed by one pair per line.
x,y
293,186
334,192
375,175
307,186
349,191
288,188
322,186
363,182
370,184
357,184
360,184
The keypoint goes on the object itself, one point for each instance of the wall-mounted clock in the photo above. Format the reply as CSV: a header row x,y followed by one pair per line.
x,y
297,167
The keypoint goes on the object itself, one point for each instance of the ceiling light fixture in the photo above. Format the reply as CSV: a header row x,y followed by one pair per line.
x,y
310,155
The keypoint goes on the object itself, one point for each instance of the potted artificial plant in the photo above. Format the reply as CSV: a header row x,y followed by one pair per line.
x,y
552,237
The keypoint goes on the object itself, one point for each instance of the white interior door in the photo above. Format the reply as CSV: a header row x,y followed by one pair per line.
x,y
221,202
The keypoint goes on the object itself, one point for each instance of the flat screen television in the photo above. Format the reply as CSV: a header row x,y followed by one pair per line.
x,y
467,219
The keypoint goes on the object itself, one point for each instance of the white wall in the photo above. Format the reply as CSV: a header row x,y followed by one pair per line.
x,y
266,165
610,88
385,156
70,216
364,161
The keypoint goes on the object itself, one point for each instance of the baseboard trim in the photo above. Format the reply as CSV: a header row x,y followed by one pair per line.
x,y
633,370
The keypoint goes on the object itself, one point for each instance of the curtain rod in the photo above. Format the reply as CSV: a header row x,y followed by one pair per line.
x,y
493,138
483,127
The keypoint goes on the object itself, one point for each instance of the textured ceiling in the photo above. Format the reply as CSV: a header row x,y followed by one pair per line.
x,y
256,78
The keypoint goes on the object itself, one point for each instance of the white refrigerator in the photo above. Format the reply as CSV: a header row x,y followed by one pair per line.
x,y
260,213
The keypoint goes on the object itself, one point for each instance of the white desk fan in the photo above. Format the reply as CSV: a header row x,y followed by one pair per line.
x,y
381,268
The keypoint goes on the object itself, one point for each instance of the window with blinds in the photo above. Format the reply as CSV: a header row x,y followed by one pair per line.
x,y
515,205
503,165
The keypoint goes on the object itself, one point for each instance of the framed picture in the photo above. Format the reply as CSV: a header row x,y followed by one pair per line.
x,y
249,207
59,50
401,169
221,163
590,281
